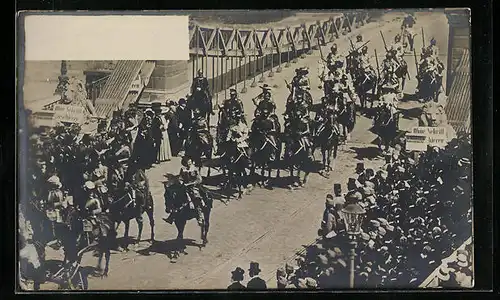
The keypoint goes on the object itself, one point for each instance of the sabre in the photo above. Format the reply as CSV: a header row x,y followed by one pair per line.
x,y
383,39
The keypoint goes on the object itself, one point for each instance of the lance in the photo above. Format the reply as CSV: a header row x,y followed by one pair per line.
x,y
355,50
423,38
383,39
416,62
378,71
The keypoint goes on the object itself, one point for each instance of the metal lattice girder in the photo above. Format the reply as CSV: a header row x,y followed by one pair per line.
x,y
242,42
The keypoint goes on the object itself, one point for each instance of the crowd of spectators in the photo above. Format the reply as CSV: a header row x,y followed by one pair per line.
x,y
418,211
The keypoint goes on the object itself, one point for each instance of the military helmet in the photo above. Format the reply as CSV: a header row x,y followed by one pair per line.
x,y
433,41
359,37
200,72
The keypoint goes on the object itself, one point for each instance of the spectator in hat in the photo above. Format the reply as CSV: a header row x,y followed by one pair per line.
x,y
162,142
237,277
331,217
184,118
256,283
172,121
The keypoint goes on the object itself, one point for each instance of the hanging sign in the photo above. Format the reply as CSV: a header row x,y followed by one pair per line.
x,y
69,113
420,137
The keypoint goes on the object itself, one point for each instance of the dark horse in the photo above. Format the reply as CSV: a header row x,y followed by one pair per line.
x,y
133,201
235,159
385,125
327,137
365,82
199,144
346,113
201,101
265,145
297,152
176,203
429,86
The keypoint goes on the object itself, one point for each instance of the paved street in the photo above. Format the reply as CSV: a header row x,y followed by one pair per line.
x,y
267,226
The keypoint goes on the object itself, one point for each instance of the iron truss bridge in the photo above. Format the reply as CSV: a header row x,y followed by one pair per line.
x,y
207,41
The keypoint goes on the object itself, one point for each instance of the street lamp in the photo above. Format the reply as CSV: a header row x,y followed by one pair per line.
x,y
353,216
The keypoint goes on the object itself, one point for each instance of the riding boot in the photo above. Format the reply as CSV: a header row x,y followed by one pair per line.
x,y
169,219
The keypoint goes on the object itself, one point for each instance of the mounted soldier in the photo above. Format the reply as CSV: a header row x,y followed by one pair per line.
x,y
300,85
264,100
359,44
191,179
201,87
231,108
432,49
292,107
430,78
389,67
334,56
366,78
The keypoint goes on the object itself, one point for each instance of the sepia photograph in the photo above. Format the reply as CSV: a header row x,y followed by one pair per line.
x,y
320,149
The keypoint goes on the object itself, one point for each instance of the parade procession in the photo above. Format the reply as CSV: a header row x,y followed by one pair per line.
x,y
342,165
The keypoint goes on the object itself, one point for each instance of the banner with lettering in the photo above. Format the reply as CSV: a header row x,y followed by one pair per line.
x,y
420,137
69,113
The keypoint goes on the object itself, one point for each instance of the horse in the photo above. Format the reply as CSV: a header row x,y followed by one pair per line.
x,y
201,101
176,201
297,155
385,125
236,160
364,82
429,86
133,201
199,144
346,113
306,95
401,73
265,146
327,137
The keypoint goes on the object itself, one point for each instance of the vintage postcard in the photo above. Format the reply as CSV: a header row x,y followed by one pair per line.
x,y
245,150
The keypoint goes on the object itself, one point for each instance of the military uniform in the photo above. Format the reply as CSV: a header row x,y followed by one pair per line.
x,y
191,175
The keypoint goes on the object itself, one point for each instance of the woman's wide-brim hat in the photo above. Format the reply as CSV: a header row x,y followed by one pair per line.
x,y
238,272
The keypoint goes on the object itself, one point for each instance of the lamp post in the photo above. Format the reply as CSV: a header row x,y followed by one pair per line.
x,y
353,216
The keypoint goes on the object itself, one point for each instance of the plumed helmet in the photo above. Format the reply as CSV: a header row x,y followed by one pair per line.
x,y
359,37
433,41
199,73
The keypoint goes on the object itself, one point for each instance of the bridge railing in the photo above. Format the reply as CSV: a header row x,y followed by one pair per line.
x,y
234,55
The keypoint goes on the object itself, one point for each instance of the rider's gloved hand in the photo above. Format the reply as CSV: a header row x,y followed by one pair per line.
x,y
191,205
